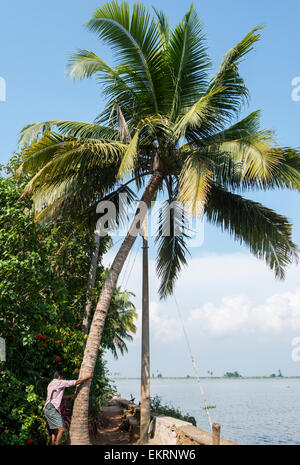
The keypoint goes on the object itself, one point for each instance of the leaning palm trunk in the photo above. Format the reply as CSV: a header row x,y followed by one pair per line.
x,y
79,426
91,283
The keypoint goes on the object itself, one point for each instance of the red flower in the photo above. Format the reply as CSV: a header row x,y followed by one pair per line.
x,y
29,441
57,358
44,337
60,342
68,334
38,336
76,369
45,345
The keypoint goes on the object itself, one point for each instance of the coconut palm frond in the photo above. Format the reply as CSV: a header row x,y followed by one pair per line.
x,y
189,63
195,182
36,155
134,37
267,234
244,156
171,245
234,90
79,129
198,115
78,156
163,27
84,64
128,160
32,132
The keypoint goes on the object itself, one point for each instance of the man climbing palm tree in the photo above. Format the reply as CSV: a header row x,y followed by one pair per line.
x,y
52,407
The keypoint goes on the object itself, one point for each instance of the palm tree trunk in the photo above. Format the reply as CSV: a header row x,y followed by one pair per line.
x,y
79,425
91,283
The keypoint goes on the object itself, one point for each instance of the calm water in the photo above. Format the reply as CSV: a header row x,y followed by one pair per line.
x,y
250,411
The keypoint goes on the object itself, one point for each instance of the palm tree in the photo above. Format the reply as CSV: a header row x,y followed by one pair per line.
x,y
181,139
121,319
75,197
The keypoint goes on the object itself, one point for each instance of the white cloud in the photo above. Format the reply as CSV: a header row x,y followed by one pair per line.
x,y
233,316
163,328
280,313
236,315
229,317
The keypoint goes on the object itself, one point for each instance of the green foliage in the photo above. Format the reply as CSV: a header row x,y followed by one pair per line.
x,y
43,282
21,417
120,322
157,406
235,374
179,121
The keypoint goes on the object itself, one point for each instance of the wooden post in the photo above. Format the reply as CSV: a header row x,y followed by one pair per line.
x,y
145,368
216,431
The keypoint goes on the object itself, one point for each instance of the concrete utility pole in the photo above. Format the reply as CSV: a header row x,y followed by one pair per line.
x,y
145,370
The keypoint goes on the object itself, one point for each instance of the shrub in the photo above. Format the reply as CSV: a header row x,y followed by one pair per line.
x,y
157,406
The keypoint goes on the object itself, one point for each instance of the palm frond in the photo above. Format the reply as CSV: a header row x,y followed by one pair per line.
x,y
34,132
128,160
163,27
75,156
172,249
41,152
188,62
246,157
134,37
234,89
195,183
199,114
267,234
84,64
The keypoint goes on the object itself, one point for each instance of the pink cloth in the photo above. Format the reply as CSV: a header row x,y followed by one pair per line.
x,y
55,391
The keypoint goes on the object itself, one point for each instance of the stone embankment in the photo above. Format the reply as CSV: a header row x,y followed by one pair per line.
x,y
163,430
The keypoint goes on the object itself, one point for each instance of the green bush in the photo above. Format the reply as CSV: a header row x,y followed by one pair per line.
x,y
21,419
157,406
43,282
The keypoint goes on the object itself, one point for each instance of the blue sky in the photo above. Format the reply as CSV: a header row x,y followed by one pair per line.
x,y
36,39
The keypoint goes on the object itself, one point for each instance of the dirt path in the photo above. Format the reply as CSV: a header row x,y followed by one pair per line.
x,y
110,434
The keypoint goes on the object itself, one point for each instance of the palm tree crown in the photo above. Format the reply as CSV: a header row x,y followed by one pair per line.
x,y
165,114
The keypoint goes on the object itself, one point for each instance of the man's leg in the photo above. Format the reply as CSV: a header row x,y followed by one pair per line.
x,y
59,435
53,431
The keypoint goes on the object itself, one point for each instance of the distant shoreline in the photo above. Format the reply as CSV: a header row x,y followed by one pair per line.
x,y
212,377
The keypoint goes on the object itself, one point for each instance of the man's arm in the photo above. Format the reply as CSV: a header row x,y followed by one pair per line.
x,y
69,396
82,380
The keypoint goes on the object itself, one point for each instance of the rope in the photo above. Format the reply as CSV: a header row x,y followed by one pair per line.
x,y
127,260
193,363
137,250
126,268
